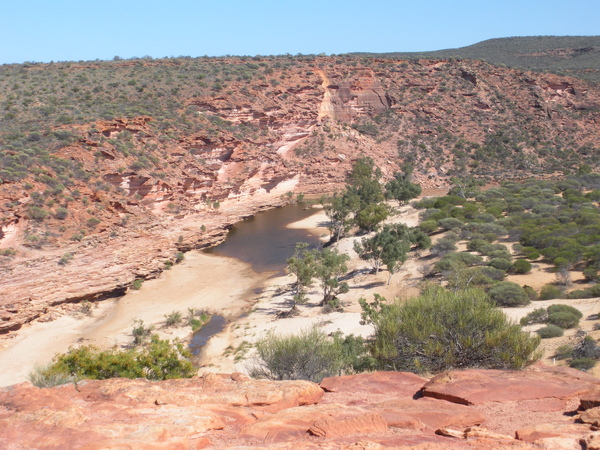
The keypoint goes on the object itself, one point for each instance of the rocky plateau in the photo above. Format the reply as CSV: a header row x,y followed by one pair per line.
x,y
542,407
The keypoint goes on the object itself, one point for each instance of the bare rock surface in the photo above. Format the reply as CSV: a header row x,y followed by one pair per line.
x,y
474,387
349,412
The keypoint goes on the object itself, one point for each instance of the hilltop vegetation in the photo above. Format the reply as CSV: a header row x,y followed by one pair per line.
x,y
568,55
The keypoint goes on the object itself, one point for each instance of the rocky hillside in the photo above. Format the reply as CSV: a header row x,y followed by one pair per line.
x,y
109,169
542,407
578,56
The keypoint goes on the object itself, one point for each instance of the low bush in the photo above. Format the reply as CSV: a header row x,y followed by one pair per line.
x,y
582,363
468,259
159,360
550,292
539,315
521,266
531,293
310,355
45,377
565,308
450,223
443,246
173,319
586,347
428,226
564,352
442,330
591,292
507,293
501,263
530,253
563,319
550,331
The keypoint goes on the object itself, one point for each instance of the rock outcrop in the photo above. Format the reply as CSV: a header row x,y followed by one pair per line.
x,y
365,411
120,196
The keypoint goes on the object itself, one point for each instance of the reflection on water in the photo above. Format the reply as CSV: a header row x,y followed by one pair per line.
x,y
215,325
264,241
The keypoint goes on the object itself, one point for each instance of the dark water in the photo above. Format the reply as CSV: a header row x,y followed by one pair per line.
x,y
264,241
215,325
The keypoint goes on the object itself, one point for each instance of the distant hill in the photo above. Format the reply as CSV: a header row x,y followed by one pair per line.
x,y
570,55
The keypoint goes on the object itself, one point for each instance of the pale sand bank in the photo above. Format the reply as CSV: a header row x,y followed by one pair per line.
x,y
212,283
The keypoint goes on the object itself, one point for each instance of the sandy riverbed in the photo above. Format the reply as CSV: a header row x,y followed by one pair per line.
x,y
232,289
212,283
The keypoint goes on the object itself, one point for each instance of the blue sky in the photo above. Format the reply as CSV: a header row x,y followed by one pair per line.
x,y
68,30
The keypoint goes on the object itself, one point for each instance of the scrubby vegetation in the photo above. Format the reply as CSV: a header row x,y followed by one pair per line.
x,y
573,55
555,222
158,360
442,330
583,353
310,355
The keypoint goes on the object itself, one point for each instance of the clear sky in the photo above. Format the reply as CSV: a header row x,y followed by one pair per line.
x,y
70,30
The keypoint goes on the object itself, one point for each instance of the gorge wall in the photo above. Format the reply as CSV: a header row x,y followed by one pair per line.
x,y
109,169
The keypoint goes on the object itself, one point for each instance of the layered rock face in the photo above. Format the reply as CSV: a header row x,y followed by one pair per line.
x,y
138,195
542,407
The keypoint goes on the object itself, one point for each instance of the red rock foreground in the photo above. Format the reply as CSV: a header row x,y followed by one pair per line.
x,y
542,407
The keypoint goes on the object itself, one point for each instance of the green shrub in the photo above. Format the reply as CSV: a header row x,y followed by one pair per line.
x,y
521,266
442,330
591,292
92,222
550,331
45,377
173,319
137,284
65,259
530,253
582,363
531,293
443,246
564,352
61,213
565,308
468,259
492,273
590,273
539,315
507,293
38,214
475,245
501,263
428,226
310,355
550,292
449,223
563,319
140,332
159,360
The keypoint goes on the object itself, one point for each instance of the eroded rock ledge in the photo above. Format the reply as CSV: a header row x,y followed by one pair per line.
x,y
542,407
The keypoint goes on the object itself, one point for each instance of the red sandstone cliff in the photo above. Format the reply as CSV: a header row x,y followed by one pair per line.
x,y
145,191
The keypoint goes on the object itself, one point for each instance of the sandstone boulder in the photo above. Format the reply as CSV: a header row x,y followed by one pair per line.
x,y
326,421
427,412
403,384
552,435
476,386
590,399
